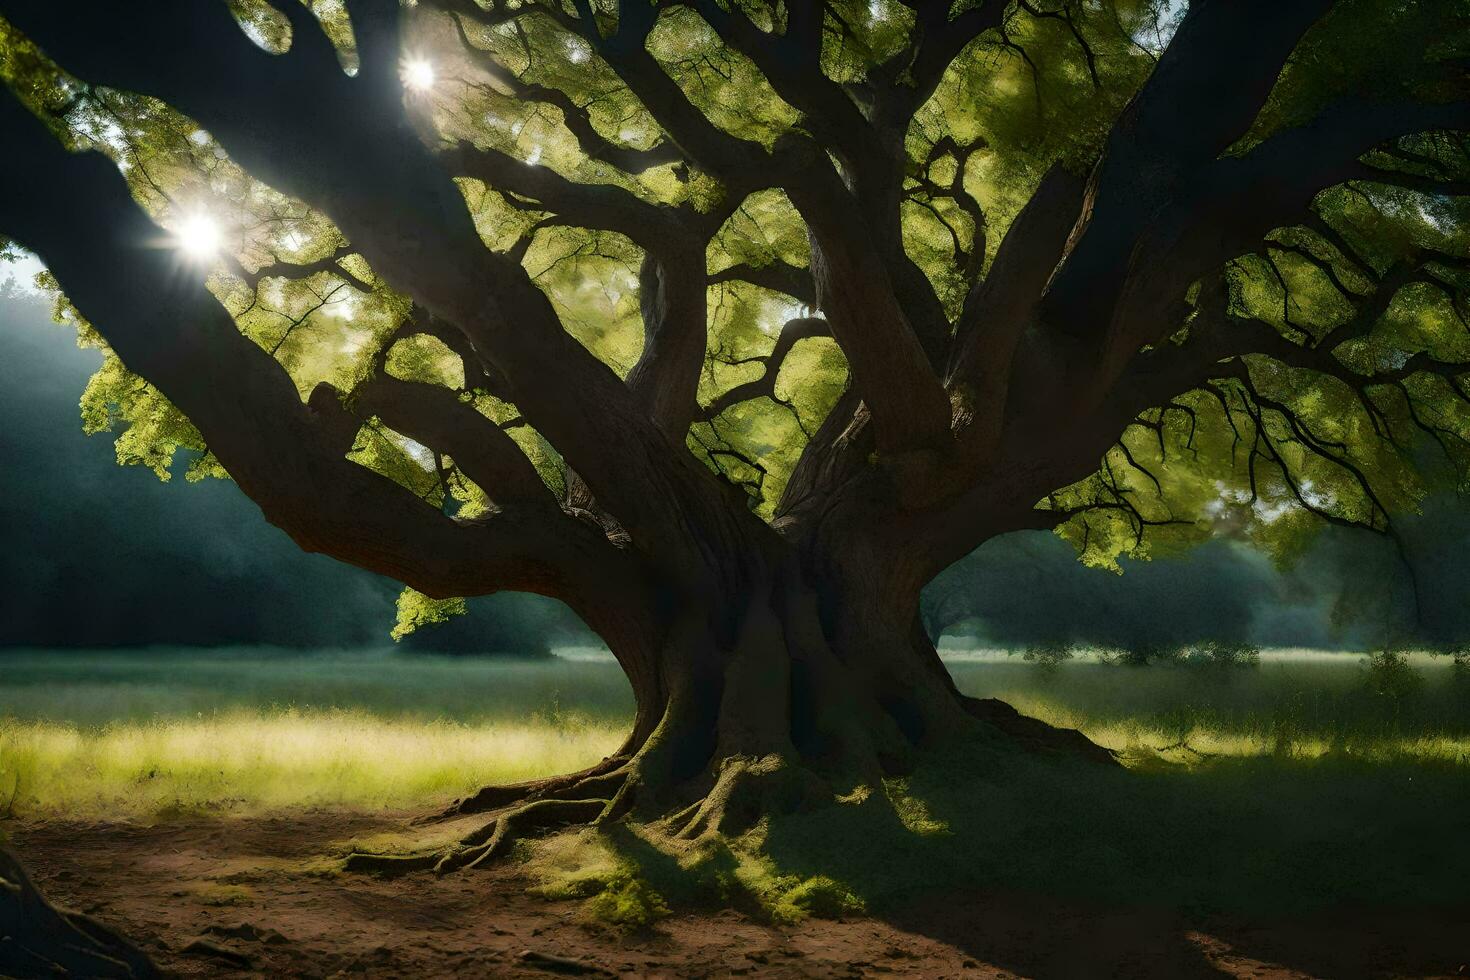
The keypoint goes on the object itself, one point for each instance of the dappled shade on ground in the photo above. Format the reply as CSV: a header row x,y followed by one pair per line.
x,y
1254,869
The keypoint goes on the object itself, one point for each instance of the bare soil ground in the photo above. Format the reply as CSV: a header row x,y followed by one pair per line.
x,y
239,897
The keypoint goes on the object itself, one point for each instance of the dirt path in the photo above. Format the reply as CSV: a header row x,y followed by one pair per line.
x,y
237,897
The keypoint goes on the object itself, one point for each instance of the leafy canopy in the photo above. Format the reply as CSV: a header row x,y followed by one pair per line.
x,y
1378,275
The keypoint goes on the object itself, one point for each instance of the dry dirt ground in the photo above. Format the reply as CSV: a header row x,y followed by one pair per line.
x,y
236,897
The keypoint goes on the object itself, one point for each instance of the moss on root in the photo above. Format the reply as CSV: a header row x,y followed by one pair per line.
x,y
627,903
633,876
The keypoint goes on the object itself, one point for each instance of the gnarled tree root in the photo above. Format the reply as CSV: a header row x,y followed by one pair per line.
x,y
488,841
729,798
601,779
38,939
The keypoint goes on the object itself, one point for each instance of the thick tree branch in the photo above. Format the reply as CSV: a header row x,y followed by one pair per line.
x,y
603,207
998,310
675,335
1235,201
358,159
76,212
912,75
789,64
1208,88
777,276
437,418
891,370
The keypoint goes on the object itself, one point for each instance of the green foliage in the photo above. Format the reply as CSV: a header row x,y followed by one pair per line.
x,y
152,430
818,896
1391,678
425,359
1048,656
416,609
1142,655
1214,655
627,903
1460,680
1224,655
402,460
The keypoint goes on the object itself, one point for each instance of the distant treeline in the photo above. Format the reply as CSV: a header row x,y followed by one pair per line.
x,y
1352,589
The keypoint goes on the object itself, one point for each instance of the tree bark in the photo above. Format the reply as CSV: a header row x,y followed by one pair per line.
x,y
38,939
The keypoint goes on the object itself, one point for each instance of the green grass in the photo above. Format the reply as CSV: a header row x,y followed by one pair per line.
x,y
1294,703
1257,835
109,733
123,734
1306,783
247,761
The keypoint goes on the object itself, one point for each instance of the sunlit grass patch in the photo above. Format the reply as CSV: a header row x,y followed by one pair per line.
x,y
1193,737
250,761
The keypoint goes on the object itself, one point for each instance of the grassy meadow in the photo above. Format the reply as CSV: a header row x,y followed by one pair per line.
x,y
139,733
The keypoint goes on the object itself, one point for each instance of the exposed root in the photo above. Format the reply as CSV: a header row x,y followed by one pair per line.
x,y
37,939
495,838
389,865
1035,735
748,789
601,779
486,842
728,798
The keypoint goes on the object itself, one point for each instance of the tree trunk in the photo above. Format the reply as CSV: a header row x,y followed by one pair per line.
x,y
771,699
829,681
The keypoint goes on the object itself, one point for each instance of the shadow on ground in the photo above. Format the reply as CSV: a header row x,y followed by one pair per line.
x,y
1337,866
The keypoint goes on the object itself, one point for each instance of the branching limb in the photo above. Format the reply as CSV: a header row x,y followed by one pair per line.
x,y
287,456
792,332
353,155
777,276
601,207
576,117
890,367
301,270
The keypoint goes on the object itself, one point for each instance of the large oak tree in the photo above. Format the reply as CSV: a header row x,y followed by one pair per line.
x,y
731,323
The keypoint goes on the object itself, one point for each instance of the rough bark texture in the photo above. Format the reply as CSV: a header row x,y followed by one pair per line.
x,y
39,940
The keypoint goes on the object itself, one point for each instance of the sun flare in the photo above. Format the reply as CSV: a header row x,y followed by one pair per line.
x,y
417,74
199,237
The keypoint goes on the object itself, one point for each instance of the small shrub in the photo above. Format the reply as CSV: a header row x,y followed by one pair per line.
x,y
1460,678
628,903
818,896
1391,678
1224,655
1142,655
1048,656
